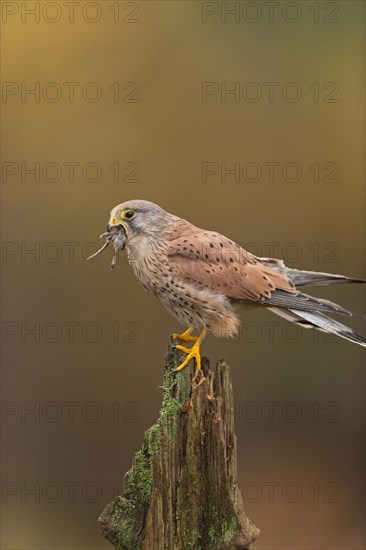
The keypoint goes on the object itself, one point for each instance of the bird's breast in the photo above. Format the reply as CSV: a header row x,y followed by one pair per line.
x,y
148,260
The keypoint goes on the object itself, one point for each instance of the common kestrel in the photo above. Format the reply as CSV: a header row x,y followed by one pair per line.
x,y
205,278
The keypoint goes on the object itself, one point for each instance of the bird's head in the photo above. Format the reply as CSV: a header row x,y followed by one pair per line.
x,y
138,218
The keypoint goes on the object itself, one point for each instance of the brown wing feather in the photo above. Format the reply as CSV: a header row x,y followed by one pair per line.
x,y
210,260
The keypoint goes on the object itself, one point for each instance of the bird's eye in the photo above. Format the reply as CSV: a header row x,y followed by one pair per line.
x,y
128,214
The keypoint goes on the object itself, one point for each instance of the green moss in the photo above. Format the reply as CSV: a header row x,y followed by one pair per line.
x,y
124,527
222,530
137,494
228,528
153,440
176,391
192,539
139,478
213,533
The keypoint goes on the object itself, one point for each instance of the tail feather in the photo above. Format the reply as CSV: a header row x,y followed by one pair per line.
x,y
305,278
315,319
305,302
309,278
306,310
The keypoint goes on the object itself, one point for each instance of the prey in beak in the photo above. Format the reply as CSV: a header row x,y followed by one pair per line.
x,y
116,236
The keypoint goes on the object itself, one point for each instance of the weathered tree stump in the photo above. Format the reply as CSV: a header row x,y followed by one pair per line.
x,y
181,492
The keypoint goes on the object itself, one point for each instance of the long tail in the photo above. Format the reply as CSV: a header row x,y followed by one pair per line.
x,y
306,310
315,319
308,278
304,278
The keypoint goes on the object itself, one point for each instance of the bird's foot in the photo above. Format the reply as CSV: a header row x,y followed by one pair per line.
x,y
192,353
185,336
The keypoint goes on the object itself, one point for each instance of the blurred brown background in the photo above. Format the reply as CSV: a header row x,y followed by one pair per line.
x,y
91,370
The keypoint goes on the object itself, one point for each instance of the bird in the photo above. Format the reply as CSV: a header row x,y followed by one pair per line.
x,y
205,279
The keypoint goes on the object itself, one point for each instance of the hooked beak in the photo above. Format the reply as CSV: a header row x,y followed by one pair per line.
x,y
114,224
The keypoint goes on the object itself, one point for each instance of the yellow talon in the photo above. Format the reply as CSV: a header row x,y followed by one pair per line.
x,y
185,337
193,352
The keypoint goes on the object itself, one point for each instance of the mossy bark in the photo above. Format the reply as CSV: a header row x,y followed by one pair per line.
x,y
181,492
